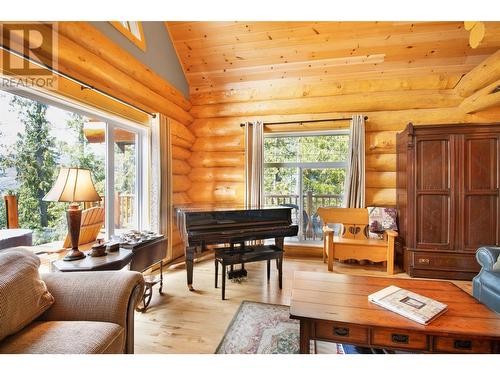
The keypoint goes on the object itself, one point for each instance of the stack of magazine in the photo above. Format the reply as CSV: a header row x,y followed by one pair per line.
x,y
408,304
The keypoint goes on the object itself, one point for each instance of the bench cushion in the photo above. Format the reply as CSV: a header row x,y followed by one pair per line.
x,y
65,337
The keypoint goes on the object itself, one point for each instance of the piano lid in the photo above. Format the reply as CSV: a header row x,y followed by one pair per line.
x,y
211,216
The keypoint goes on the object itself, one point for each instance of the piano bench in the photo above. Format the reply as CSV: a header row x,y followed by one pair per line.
x,y
230,257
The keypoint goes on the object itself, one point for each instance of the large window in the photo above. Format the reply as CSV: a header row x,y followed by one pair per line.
x,y
38,135
305,171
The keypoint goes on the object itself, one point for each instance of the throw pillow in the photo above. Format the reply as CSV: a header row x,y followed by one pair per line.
x,y
23,295
381,219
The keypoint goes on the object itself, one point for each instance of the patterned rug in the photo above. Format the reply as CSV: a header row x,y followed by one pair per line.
x,y
261,328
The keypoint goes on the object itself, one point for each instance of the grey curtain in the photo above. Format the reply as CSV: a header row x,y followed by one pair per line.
x,y
354,190
161,172
254,164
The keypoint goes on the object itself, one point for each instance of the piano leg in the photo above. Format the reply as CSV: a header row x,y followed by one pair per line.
x,y
189,266
279,242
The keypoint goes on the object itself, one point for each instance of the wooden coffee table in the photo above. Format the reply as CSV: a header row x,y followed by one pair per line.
x,y
335,308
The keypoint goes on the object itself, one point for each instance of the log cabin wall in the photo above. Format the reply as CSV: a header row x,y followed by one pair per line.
x,y
393,72
182,140
86,54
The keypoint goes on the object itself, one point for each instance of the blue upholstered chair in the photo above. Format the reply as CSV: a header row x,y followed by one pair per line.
x,y
486,285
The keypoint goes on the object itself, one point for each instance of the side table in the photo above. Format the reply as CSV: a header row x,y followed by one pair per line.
x,y
113,261
149,254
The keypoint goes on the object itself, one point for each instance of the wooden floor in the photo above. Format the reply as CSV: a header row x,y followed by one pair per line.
x,y
181,321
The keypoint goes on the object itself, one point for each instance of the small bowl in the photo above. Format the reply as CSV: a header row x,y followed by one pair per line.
x,y
98,250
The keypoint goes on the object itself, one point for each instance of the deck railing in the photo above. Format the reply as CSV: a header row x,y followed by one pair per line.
x,y
310,225
123,209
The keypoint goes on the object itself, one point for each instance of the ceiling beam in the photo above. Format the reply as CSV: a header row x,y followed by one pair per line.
x,y
481,76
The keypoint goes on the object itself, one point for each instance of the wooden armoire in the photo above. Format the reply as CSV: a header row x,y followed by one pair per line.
x,y
448,197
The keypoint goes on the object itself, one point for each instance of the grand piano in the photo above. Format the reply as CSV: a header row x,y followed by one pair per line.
x,y
204,226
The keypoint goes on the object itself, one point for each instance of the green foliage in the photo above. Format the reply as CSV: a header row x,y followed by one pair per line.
x,y
81,155
34,158
125,163
308,149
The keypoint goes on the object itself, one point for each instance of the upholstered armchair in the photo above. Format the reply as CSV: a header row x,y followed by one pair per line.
x,y
92,313
486,285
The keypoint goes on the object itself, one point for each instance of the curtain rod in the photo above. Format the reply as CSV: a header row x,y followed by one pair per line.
x,y
307,121
75,80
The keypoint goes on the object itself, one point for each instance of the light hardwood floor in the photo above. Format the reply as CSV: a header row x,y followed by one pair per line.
x,y
181,321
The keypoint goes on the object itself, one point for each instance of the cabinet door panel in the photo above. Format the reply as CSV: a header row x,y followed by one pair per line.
x,y
433,221
479,193
480,216
434,207
433,163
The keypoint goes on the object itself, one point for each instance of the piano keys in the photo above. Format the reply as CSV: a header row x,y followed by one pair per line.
x,y
215,226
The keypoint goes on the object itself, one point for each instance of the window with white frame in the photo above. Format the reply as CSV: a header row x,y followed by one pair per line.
x,y
39,134
305,171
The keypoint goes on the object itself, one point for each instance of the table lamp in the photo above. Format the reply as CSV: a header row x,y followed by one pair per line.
x,y
73,185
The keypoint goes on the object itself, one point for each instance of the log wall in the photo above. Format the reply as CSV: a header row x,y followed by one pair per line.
x,y
217,158
182,140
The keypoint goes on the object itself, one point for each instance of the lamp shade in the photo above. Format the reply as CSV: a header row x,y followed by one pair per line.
x,y
73,185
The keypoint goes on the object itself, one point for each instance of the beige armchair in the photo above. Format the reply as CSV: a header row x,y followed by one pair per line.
x,y
93,312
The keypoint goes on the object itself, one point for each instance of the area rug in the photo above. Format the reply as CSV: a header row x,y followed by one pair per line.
x,y
261,328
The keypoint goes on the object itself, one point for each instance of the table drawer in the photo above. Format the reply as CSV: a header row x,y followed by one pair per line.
x,y
341,332
399,339
461,345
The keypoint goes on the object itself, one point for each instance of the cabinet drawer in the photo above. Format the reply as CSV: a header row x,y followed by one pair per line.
x,y
341,332
444,261
399,339
461,345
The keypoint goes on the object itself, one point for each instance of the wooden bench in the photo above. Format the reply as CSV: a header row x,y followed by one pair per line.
x,y
353,241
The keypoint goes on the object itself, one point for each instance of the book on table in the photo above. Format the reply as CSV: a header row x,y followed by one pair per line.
x,y
411,305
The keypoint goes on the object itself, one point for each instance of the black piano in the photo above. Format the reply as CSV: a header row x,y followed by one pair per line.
x,y
211,226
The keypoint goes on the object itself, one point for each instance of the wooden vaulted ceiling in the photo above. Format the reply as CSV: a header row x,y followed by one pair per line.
x,y
221,57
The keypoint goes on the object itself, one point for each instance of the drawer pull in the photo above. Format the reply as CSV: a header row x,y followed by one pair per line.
x,y
341,331
463,344
423,260
400,339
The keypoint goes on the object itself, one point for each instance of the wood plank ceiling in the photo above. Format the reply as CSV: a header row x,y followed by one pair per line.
x,y
248,58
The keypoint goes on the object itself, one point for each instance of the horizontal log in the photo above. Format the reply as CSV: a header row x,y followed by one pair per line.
x,y
181,131
217,174
78,62
380,179
215,127
377,121
266,90
180,183
380,197
180,199
180,167
94,41
225,143
205,192
180,153
181,142
381,142
71,90
217,159
381,162
381,101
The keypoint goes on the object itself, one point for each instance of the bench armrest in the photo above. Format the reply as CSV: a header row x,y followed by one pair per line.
x,y
487,257
391,233
102,296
